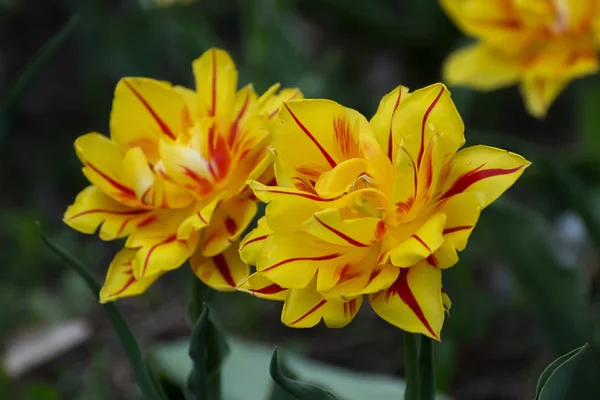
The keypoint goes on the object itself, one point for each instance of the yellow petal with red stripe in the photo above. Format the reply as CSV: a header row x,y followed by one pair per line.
x,y
482,68
216,83
103,167
145,111
304,308
485,170
328,226
221,272
293,266
253,243
426,112
93,209
381,123
381,278
271,101
313,136
259,286
231,217
187,168
342,178
414,301
350,279
120,281
414,247
446,301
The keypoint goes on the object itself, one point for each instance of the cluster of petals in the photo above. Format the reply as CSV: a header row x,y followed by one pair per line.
x,y
171,177
370,208
541,44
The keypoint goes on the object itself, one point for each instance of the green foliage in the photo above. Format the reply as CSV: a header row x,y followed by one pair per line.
x,y
557,377
128,342
300,390
208,350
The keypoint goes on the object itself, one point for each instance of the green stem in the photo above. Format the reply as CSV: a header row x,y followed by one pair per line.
x,y
411,366
426,369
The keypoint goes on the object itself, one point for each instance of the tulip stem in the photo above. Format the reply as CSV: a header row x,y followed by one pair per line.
x,y
426,369
411,366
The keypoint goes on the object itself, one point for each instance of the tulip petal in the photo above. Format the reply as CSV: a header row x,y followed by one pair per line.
x,y
293,266
271,102
313,136
328,226
414,247
159,249
495,22
259,286
539,93
187,168
426,112
414,302
304,308
341,179
486,170
93,209
482,68
120,281
103,167
381,123
381,278
446,301
253,243
221,272
230,219
145,111
216,83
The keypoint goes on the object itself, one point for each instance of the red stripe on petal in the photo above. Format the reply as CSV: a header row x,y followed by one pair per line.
x,y
289,260
432,260
390,144
130,282
204,186
312,310
163,127
98,210
401,289
168,240
306,195
271,289
151,219
474,176
457,229
343,236
431,106
128,192
418,239
236,124
329,159
231,226
123,225
201,218
256,239
221,264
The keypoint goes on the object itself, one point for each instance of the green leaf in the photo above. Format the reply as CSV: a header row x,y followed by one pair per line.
x,y
146,382
208,350
556,379
301,390
31,70
522,238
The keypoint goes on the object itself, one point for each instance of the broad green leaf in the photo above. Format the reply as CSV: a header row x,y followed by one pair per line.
x,y
556,379
146,382
523,239
300,390
207,351
254,382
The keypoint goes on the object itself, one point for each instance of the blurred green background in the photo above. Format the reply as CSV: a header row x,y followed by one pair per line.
x,y
527,288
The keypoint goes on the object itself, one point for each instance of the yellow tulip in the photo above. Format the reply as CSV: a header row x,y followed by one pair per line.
x,y
541,44
172,176
375,208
